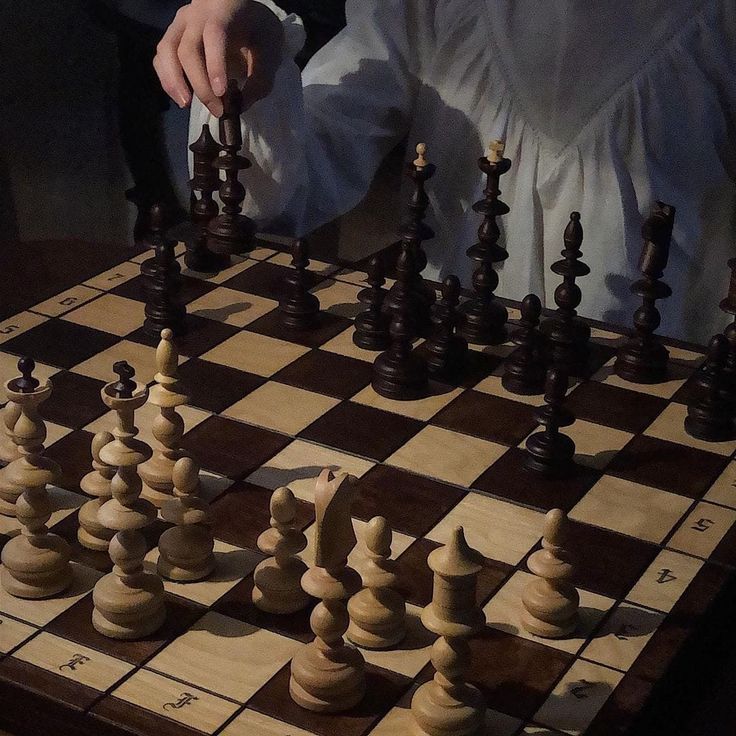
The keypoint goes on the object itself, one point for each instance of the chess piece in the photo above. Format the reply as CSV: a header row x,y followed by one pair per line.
x,y
485,316
36,562
447,705
568,335
164,308
550,601
185,550
8,446
128,602
277,580
327,675
231,232
203,208
447,350
378,611
372,324
711,418
91,533
167,394
728,305
550,452
524,370
415,297
299,309
643,358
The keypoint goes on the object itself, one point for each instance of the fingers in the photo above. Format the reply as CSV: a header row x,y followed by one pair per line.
x,y
167,66
192,58
215,50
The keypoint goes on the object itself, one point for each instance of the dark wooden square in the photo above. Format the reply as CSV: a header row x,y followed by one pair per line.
x,y
75,401
362,430
214,386
488,417
267,279
74,455
327,373
412,504
508,478
191,288
232,448
667,465
611,406
327,326
383,691
60,343
201,335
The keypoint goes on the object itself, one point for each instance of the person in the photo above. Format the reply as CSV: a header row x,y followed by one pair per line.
x,y
604,108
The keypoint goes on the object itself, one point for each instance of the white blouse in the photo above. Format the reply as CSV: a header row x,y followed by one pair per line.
x,y
605,107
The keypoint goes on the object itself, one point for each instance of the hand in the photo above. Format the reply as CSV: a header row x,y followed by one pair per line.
x,y
210,41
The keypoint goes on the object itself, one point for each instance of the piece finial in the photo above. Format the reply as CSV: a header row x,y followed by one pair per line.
x,y
555,527
451,290
555,386
283,505
421,160
717,350
167,357
185,475
26,384
124,387
531,308
377,536
496,149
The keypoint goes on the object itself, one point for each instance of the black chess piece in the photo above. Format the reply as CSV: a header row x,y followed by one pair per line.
x,y
728,305
447,350
299,308
399,372
372,324
568,335
711,418
203,208
643,359
162,274
231,232
525,369
124,387
26,383
550,452
419,298
485,316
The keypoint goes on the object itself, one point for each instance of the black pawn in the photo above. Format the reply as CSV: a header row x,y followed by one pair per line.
x,y
525,371
26,383
446,350
372,324
712,418
399,372
164,308
299,309
550,452
124,387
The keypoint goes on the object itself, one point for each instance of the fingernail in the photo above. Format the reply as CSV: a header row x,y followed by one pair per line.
x,y
219,86
183,100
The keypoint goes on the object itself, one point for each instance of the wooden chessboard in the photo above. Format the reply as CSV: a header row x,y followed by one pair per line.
x,y
653,510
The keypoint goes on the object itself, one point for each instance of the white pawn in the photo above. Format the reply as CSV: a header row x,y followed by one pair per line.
x,y
185,550
550,601
378,611
277,584
91,533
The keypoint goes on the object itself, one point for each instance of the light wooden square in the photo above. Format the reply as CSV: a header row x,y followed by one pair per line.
x,y
503,350
73,661
595,444
141,357
9,370
498,530
13,633
179,250
670,425
55,432
578,697
446,455
723,491
343,344
298,465
254,353
665,580
262,253
231,307
43,612
630,508
283,408
114,276
703,529
69,299
18,324
492,385
505,609
225,656
110,313
319,267
623,636
253,723
422,409
665,390
337,297
176,700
